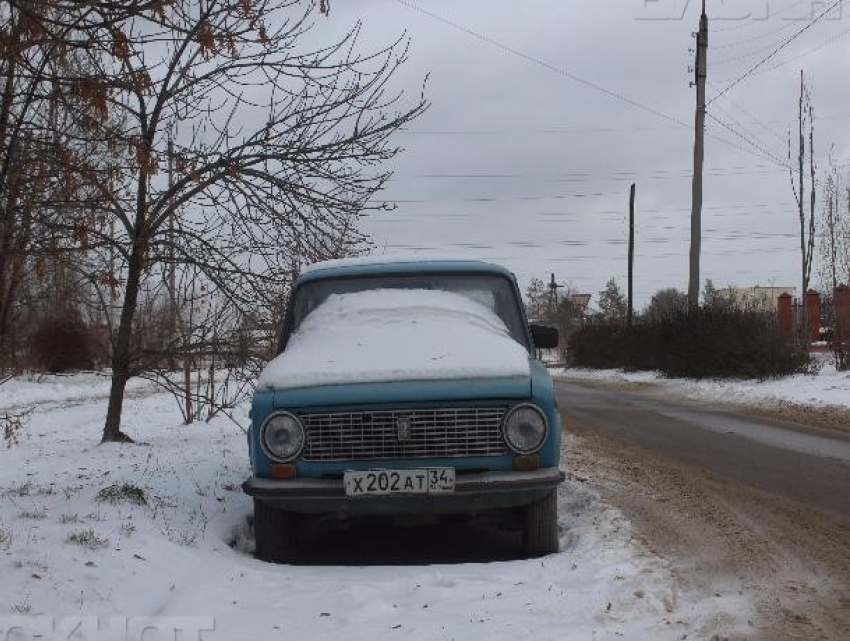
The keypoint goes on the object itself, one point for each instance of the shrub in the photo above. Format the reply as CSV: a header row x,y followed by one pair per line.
x,y
707,343
88,539
123,493
63,344
33,515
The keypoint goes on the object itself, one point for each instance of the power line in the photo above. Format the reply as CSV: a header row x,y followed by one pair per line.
x,y
603,242
569,74
594,177
594,130
778,13
782,46
823,45
755,120
563,72
745,56
462,215
739,43
757,151
550,131
749,141
741,129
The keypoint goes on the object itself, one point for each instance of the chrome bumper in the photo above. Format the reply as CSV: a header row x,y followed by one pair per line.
x,y
479,491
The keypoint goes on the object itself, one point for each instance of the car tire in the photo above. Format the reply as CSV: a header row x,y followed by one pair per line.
x,y
540,526
275,534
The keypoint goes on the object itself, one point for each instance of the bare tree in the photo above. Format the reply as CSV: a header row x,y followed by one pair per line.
x,y
669,302
211,355
834,248
805,154
276,149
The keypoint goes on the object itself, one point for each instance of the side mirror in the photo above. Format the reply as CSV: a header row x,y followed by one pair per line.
x,y
544,337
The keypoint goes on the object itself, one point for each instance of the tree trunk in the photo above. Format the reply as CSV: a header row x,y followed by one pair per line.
x,y
188,416
121,353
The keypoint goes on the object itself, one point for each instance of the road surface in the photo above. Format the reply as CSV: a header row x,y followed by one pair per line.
x,y
734,502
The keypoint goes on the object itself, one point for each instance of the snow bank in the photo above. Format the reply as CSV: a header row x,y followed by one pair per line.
x,y
389,335
172,558
826,388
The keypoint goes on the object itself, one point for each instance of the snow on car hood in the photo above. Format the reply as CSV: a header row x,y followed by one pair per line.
x,y
394,335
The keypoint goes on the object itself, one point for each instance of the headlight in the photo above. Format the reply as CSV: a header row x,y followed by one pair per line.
x,y
283,436
524,429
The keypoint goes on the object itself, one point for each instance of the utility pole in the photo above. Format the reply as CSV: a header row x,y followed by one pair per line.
x,y
630,313
701,70
553,295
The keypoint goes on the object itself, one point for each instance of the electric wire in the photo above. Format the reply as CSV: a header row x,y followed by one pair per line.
x,y
754,120
560,71
839,36
572,76
743,25
745,134
837,4
760,36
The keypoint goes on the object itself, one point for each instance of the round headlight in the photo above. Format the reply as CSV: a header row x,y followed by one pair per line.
x,y
525,429
283,436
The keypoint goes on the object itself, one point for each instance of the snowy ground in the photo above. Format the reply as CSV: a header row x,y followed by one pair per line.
x,y
826,388
186,552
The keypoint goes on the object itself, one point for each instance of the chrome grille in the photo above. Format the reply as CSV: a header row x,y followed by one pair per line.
x,y
388,435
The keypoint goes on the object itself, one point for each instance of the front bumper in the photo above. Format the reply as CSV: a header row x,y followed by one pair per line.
x,y
473,493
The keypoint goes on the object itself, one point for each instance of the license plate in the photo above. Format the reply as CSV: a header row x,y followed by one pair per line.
x,y
383,482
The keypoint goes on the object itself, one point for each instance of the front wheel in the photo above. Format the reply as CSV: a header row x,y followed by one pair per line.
x,y
540,526
275,534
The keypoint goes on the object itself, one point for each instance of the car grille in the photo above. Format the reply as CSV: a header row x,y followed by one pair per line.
x,y
404,434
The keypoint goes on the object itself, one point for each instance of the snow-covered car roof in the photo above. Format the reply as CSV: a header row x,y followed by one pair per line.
x,y
398,264
386,335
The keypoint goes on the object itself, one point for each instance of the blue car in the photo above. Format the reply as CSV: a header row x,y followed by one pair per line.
x,y
405,389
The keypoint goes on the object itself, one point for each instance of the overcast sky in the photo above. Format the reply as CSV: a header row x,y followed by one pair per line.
x,y
518,162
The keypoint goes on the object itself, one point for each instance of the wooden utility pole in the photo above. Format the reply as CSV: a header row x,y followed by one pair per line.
x,y
630,312
701,70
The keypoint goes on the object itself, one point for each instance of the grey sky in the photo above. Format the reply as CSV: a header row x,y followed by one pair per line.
x,y
518,163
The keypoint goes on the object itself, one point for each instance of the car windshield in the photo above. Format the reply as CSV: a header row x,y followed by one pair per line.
x,y
494,292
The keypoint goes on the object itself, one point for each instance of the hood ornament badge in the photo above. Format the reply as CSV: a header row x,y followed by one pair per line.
x,y
403,426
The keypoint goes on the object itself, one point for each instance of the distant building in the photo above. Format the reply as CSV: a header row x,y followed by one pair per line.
x,y
581,301
758,297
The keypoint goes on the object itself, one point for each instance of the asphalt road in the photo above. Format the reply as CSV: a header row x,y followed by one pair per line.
x,y
808,465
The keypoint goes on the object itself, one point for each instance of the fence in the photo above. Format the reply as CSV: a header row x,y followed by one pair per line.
x,y
827,319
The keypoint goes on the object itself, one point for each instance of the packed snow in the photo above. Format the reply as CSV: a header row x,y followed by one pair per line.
x,y
826,387
396,334
177,544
